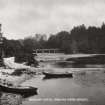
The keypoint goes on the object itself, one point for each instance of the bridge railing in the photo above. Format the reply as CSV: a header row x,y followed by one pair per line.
x,y
47,51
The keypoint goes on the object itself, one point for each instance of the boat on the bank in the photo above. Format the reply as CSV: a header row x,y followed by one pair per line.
x,y
57,74
22,90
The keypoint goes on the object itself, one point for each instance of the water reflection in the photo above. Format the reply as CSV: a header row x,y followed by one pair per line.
x,y
69,64
90,78
30,94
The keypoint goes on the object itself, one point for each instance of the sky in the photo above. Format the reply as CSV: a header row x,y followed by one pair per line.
x,y
22,18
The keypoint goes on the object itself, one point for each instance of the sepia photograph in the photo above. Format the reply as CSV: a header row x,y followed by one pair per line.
x,y
52,52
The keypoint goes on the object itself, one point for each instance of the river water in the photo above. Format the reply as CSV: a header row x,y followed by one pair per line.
x,y
85,88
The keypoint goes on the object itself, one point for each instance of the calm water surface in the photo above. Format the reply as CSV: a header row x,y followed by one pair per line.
x,y
88,85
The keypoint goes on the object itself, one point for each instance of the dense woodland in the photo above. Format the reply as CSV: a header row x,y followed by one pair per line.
x,y
80,39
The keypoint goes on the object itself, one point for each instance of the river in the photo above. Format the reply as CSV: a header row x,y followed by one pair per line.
x,y
85,88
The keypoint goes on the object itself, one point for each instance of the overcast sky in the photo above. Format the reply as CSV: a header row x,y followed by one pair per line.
x,y
21,18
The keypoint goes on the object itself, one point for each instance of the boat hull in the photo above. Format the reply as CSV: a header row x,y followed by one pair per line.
x,y
23,91
54,75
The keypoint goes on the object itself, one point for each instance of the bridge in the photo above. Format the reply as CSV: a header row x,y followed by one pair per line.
x,y
47,51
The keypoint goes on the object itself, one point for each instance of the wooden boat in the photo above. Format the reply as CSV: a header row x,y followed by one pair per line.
x,y
57,74
22,90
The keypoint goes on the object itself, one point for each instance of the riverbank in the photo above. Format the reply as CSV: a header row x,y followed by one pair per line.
x,y
15,76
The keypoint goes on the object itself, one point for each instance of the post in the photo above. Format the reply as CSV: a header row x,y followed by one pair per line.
x,y
1,47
